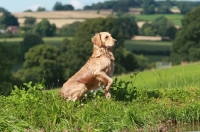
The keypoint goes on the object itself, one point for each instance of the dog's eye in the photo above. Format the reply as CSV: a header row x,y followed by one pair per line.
x,y
106,37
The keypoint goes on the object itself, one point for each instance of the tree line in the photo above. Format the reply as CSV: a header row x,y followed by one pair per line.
x,y
148,6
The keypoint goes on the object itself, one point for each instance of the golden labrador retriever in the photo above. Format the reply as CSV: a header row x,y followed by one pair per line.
x,y
96,72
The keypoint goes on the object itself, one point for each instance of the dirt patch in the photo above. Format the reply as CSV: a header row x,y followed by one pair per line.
x,y
150,38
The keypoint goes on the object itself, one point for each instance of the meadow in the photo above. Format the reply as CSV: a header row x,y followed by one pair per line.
x,y
138,103
175,18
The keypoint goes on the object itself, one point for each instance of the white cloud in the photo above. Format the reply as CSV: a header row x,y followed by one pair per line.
x,y
34,7
76,4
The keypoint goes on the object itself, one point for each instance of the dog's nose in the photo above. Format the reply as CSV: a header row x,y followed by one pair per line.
x,y
116,43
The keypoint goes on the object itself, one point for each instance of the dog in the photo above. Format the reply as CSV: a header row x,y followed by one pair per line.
x,y
97,72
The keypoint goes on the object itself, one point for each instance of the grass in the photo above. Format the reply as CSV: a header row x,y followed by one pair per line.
x,y
175,18
177,76
147,45
132,107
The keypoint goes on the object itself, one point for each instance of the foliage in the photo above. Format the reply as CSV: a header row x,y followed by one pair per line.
x,y
8,57
60,7
42,62
70,30
148,7
80,47
44,28
28,10
7,19
3,9
187,38
30,21
185,7
41,9
117,5
160,26
147,29
65,44
29,41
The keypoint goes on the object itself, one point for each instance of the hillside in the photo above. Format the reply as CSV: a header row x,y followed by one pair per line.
x,y
61,18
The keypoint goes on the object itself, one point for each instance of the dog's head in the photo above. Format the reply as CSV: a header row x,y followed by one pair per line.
x,y
104,39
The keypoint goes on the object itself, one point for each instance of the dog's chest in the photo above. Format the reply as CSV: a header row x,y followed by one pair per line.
x,y
109,66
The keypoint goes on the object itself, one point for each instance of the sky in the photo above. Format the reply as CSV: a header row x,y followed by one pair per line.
x,y
22,5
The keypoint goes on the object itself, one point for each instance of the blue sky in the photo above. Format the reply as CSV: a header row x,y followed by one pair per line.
x,y
21,5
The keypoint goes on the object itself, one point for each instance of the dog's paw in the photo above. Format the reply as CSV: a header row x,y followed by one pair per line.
x,y
108,95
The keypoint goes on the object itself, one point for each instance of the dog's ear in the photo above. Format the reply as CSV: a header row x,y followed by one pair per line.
x,y
97,40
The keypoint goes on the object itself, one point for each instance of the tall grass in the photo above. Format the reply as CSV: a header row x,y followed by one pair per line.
x,y
131,108
175,77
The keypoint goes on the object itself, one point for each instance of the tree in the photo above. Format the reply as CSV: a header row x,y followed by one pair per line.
x,y
70,30
41,9
163,10
171,32
80,48
148,7
7,19
60,7
3,9
161,24
8,57
42,62
148,29
29,41
28,10
187,39
65,44
30,21
68,7
185,7
44,28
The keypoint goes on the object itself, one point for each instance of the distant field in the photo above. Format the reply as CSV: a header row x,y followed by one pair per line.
x,y
175,18
177,76
61,18
147,45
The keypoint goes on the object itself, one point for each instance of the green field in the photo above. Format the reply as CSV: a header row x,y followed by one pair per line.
x,y
160,49
177,76
148,45
175,18
153,101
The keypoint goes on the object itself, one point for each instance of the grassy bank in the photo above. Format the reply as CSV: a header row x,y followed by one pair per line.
x,y
177,76
132,107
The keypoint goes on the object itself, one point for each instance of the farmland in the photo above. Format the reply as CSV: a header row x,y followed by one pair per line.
x,y
61,18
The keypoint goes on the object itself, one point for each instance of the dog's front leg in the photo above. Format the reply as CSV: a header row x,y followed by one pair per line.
x,y
106,80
